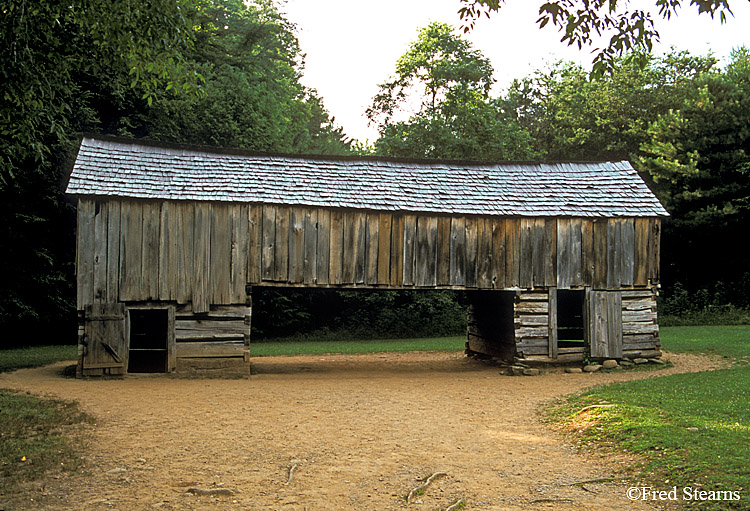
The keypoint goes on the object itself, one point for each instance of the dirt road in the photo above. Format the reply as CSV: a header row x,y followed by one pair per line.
x,y
356,432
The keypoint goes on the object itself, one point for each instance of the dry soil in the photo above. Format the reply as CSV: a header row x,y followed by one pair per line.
x,y
355,432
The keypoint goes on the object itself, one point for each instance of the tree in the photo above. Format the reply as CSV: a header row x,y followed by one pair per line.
x,y
699,157
581,21
571,115
442,84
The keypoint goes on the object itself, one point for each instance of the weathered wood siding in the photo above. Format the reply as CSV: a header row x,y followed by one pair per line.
x,y
204,254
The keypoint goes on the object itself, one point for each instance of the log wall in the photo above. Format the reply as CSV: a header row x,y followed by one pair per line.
x,y
204,254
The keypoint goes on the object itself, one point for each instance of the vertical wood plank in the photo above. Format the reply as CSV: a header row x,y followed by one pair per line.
x,y
576,256
410,233
640,252
171,344
552,323
654,249
165,250
443,251
384,248
512,252
458,252
100,252
397,250
220,257
360,249
323,245
550,252
563,253
150,258
240,244
185,251
350,248
588,260
85,253
372,240
601,229
202,257
131,251
498,253
538,254
310,258
255,243
614,324
484,253
269,243
281,253
113,252
336,260
627,251
527,253
472,251
296,245
614,268
426,251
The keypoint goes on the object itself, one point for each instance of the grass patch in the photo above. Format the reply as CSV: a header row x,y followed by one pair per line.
x,y
19,358
33,437
689,429
276,348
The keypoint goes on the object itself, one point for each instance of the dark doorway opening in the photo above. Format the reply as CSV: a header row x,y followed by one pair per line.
x,y
570,305
491,325
149,341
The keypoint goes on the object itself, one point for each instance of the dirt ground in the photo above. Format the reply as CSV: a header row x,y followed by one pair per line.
x,y
356,432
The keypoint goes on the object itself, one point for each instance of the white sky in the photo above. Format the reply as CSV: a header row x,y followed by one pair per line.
x,y
351,46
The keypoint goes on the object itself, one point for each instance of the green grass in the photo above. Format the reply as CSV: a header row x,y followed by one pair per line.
x,y
34,437
689,429
36,356
275,348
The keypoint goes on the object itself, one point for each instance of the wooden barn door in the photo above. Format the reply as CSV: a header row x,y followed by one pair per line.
x,y
603,323
106,347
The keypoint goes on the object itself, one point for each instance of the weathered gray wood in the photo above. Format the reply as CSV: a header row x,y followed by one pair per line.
x,y
397,250
640,252
654,249
202,257
210,328
167,255
614,324
269,243
214,349
627,252
458,252
532,320
296,245
131,252
220,258
372,238
310,259
552,348
100,252
426,251
255,243
588,259
220,312
350,248
538,255
240,247
324,245
150,246
384,248
639,328
549,253
104,334
498,253
600,253
443,270
113,252
85,253
563,253
541,332
336,255
281,254
171,340
484,253
614,248
410,234
472,251
512,252
529,307
185,249
606,327
576,256
360,254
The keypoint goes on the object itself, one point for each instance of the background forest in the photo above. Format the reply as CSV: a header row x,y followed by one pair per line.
x,y
227,73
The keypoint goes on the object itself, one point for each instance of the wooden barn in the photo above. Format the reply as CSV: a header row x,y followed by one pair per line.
x,y
560,261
